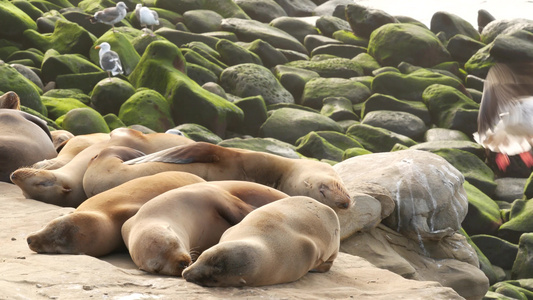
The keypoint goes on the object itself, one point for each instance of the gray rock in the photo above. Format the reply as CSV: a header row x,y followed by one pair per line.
x,y
270,56
328,24
339,50
261,10
268,145
509,189
29,73
364,20
379,101
311,41
296,27
335,67
300,8
202,20
443,134
500,252
294,79
317,89
247,80
452,25
397,121
523,265
338,109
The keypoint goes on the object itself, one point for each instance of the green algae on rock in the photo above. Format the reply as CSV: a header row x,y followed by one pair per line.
x,y
147,107
84,121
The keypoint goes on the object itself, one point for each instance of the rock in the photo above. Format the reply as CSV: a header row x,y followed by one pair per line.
x,y
180,38
268,145
509,189
338,108
200,75
443,134
32,54
189,102
148,108
367,62
473,168
82,81
261,10
335,67
313,145
28,92
464,145
214,65
462,47
513,47
57,107
84,121
483,19
392,44
450,108
364,21
299,8
255,114
232,54
108,95
479,64
113,122
225,8
317,89
69,93
269,56
313,41
339,50
246,80
523,265
296,27
347,37
377,139
14,22
352,152
288,124
30,74
294,79
511,289
67,38
519,222
452,25
215,89
493,272
504,27
250,30
202,20
29,9
328,24
500,252
199,133
55,64
379,101
411,86
400,122
483,215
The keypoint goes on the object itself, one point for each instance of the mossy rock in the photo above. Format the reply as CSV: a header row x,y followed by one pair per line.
x,y
181,38
352,152
268,145
113,122
411,86
202,20
335,67
255,114
483,215
55,64
32,54
379,101
348,37
199,133
191,56
69,93
377,139
523,265
317,89
29,9
67,38
109,94
14,22
480,63
500,252
394,43
294,79
200,75
57,107
232,54
315,146
161,68
520,221
28,92
225,8
443,134
338,109
82,81
449,108
84,121
147,107
270,56
49,122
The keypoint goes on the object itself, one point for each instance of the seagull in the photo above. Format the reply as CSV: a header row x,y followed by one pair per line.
x,y
110,15
146,16
505,120
109,60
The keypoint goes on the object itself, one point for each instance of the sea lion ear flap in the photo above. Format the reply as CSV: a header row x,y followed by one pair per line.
x,y
199,152
10,100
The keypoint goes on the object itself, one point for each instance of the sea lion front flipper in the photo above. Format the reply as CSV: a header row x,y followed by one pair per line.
x,y
199,152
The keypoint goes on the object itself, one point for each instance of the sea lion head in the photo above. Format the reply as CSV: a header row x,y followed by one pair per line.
x,y
225,264
66,235
327,189
157,249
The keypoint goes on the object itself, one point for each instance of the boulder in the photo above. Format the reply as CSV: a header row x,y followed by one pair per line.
x,y
400,122
109,94
509,189
255,114
452,25
328,24
268,145
225,8
444,134
296,27
378,101
523,264
462,47
148,108
317,89
84,121
121,44
28,92
377,139
14,22
520,221
294,79
334,67
198,133
364,20
202,20
500,252
315,146
261,10
513,47
55,64
232,54
338,109
269,56
57,107
299,8
483,215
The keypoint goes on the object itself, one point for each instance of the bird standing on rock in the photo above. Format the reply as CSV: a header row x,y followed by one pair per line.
x,y
109,60
505,120
110,15
146,16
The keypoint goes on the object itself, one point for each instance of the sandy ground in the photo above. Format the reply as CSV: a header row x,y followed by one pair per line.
x,y
28,275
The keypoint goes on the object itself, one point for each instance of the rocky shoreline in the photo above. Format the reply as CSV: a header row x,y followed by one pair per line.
x,y
328,80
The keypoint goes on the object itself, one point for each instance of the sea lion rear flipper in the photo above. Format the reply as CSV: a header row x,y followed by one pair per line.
x,y
199,152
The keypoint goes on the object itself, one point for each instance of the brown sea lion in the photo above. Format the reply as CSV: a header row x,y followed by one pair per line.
x,y
94,227
276,243
295,177
59,137
64,187
69,148
169,231
24,138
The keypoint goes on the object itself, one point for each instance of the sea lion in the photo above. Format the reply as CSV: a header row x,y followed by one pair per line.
x,y
94,227
276,243
295,177
24,138
64,187
169,231
59,137
69,148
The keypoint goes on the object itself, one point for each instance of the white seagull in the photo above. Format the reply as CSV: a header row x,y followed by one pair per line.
x,y
110,15
146,16
109,60
505,120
